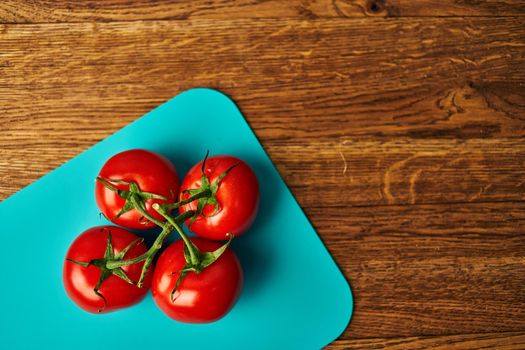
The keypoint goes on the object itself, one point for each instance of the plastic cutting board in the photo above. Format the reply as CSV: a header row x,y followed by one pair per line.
x,y
294,295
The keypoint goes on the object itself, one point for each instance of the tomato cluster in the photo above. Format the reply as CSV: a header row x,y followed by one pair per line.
x,y
196,279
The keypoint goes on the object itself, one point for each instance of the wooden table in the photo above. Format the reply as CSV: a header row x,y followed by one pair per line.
x,y
399,126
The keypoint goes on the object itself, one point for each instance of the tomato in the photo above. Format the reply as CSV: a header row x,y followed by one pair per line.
x,y
114,292
200,297
153,174
237,197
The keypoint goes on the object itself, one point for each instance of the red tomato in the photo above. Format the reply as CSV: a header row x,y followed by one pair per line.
x,y
200,297
80,281
150,171
237,197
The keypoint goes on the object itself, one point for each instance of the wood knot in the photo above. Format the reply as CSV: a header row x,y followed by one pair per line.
x,y
376,8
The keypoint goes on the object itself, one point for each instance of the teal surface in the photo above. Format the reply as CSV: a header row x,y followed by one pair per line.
x,y
294,295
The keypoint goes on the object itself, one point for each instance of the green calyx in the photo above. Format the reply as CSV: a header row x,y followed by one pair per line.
x,y
209,188
196,260
101,263
134,197
205,259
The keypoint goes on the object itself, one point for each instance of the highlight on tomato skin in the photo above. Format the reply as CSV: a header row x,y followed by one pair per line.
x,y
200,297
233,207
150,172
115,293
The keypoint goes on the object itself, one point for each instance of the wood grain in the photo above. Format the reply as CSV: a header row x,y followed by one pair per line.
x,y
322,79
404,171
402,137
501,341
429,269
43,11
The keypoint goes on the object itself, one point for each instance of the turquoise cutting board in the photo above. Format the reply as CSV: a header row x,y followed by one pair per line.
x,y
294,295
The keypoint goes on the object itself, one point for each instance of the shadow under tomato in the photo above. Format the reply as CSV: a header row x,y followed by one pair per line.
x,y
256,249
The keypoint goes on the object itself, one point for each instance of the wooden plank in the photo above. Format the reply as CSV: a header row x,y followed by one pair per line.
x,y
430,269
437,78
501,341
402,171
352,172
38,11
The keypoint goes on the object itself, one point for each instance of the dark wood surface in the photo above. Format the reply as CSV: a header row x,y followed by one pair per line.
x,y
398,125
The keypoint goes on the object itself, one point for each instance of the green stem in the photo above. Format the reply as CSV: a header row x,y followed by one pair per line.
x,y
166,230
144,213
202,194
194,252
136,199
192,249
